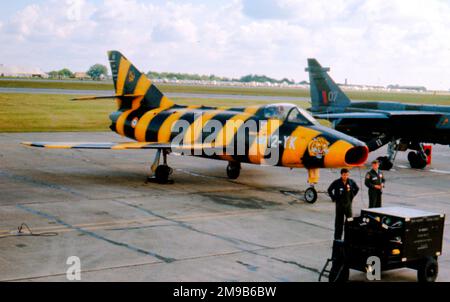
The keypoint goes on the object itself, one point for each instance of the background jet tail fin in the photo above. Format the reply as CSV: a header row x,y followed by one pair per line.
x,y
325,93
128,80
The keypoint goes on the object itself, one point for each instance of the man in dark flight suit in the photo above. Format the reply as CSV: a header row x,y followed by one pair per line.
x,y
342,191
375,182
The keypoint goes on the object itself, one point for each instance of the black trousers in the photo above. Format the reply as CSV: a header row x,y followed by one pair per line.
x,y
375,198
343,211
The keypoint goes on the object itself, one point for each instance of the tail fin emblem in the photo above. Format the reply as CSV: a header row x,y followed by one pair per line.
x,y
131,76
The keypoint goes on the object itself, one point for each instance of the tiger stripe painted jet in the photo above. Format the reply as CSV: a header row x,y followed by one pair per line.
x,y
277,134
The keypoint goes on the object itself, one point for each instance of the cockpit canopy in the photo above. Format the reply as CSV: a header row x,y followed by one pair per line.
x,y
289,113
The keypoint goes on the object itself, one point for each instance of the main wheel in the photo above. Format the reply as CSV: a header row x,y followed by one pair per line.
x,y
417,160
162,174
233,170
339,274
311,195
428,270
385,163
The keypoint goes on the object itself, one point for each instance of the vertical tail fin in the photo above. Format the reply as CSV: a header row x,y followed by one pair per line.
x,y
131,84
325,93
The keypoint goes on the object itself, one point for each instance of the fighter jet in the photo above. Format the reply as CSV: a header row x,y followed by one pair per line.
x,y
402,126
277,134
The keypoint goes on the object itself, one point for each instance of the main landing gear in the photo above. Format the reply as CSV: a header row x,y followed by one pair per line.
x,y
417,159
161,173
233,170
387,162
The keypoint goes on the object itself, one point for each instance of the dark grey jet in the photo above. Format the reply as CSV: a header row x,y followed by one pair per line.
x,y
402,126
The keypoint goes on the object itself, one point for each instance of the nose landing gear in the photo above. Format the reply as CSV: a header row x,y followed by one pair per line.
x,y
311,192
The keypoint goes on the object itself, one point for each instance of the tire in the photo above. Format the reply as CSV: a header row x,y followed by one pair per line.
x,y
428,270
385,163
339,274
310,195
233,170
162,174
416,160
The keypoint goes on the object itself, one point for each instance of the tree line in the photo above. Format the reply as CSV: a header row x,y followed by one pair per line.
x,y
99,71
195,77
95,72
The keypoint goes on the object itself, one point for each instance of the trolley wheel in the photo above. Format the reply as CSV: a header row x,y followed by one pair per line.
x,y
428,270
311,195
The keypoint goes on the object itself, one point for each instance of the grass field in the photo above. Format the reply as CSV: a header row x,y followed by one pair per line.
x,y
47,113
37,113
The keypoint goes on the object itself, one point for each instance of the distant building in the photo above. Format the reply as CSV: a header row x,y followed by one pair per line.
x,y
21,72
81,76
413,88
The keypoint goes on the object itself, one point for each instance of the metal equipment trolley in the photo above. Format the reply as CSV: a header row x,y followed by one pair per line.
x,y
399,237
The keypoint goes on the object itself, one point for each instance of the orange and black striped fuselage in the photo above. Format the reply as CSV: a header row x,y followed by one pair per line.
x,y
289,142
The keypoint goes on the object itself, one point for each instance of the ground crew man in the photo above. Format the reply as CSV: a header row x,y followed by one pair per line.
x,y
375,182
342,191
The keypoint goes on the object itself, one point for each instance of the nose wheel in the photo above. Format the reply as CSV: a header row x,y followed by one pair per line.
x,y
311,195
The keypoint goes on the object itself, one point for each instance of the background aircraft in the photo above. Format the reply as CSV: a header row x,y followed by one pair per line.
x,y
402,126
145,115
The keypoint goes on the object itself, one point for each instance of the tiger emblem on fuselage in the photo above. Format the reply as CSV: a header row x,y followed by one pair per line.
x,y
318,147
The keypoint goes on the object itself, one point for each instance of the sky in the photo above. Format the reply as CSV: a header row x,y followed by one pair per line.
x,y
376,42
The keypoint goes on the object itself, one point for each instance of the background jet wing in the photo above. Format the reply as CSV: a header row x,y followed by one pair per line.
x,y
120,146
352,115
413,113
376,114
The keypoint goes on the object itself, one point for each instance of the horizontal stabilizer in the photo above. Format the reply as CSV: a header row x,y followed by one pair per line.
x,y
90,98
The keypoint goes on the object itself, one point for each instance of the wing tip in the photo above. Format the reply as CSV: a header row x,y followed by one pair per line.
x,y
30,144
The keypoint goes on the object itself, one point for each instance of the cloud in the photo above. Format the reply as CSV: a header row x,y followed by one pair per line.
x,y
366,41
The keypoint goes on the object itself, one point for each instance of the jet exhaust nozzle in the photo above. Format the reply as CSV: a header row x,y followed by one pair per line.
x,y
357,156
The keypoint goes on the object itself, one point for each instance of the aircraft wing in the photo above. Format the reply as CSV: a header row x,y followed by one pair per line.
x,y
350,115
413,113
119,146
